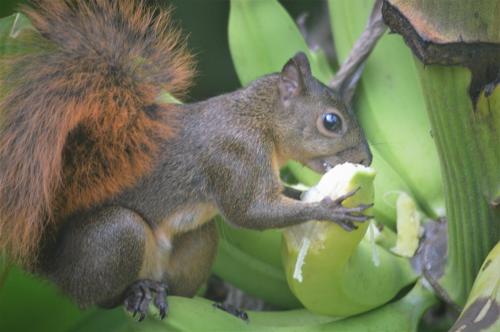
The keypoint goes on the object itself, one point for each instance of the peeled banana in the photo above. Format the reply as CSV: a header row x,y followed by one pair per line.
x,y
334,272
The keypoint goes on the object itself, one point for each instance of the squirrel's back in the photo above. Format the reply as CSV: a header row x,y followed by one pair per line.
x,y
80,119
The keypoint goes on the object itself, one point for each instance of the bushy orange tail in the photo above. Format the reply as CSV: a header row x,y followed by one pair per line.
x,y
81,121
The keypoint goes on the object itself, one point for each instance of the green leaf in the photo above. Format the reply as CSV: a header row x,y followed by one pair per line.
x,y
391,106
29,304
262,37
12,29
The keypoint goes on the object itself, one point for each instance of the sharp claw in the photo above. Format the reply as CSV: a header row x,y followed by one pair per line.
x,y
141,295
232,310
359,218
342,198
127,305
163,310
359,208
352,227
160,302
347,225
244,316
136,309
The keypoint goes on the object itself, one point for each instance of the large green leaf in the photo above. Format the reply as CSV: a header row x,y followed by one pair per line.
x,y
262,37
391,106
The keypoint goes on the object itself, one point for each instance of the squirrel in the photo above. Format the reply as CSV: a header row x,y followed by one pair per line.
x,y
109,192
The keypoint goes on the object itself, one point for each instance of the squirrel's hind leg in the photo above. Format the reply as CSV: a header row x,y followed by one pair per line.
x,y
191,259
184,268
110,257
98,256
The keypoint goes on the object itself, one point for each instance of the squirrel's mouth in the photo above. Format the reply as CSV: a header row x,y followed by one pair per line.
x,y
327,166
352,155
321,165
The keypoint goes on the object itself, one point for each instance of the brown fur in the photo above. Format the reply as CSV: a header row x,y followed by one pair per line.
x,y
80,121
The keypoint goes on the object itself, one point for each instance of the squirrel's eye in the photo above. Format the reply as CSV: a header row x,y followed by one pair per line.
x,y
332,122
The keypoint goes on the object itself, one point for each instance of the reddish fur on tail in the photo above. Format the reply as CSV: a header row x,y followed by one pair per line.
x,y
81,120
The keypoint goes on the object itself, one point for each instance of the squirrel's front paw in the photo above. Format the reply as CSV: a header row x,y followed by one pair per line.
x,y
140,294
344,216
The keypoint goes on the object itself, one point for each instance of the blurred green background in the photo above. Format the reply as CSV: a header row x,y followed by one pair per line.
x,y
205,24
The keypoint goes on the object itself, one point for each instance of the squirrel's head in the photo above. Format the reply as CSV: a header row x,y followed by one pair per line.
x,y
315,127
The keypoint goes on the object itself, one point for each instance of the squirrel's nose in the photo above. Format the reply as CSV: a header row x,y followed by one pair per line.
x,y
367,160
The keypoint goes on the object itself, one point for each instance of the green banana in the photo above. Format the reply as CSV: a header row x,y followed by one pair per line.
x,y
188,314
326,265
391,106
252,269
482,310
402,315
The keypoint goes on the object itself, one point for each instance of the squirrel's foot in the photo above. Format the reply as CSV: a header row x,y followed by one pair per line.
x,y
345,217
140,294
232,310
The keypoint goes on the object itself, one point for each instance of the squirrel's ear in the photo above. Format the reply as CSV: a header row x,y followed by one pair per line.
x,y
303,63
292,76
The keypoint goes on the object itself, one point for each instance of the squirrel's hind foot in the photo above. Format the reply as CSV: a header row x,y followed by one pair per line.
x,y
140,294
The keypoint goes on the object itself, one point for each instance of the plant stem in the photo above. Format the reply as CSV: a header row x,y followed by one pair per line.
x,y
468,143
458,41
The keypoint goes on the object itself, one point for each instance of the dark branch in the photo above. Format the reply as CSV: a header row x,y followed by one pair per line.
x,y
346,79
